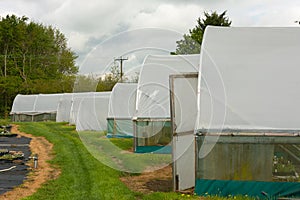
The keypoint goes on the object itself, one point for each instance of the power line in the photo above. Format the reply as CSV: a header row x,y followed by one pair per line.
x,y
121,65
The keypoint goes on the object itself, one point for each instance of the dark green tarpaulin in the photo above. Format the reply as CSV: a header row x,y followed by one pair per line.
x,y
251,188
154,149
109,135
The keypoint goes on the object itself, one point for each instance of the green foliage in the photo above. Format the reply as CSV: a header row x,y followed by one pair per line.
x,y
213,19
107,82
10,156
283,165
4,122
85,83
191,43
187,46
33,59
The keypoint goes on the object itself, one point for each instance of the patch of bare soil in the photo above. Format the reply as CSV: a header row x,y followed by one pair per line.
x,y
155,181
37,177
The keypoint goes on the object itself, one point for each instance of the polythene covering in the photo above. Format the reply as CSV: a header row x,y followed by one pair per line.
x,y
121,109
64,107
152,118
153,86
47,103
252,75
248,97
24,104
92,113
35,104
76,99
39,107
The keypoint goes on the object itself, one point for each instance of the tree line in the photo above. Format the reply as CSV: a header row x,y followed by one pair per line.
x,y
33,59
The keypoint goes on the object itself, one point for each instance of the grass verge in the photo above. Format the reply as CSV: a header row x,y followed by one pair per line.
x,y
112,153
82,175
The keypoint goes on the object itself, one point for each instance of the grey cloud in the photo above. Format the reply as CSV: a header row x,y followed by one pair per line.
x,y
88,23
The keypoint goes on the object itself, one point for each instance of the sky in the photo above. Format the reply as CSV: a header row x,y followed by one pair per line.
x,y
90,25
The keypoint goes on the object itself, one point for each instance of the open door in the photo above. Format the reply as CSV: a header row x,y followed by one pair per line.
x,y
183,91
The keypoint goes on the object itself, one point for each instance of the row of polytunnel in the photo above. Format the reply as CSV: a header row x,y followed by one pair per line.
x,y
229,116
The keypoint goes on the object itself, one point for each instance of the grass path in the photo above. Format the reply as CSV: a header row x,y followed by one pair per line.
x,y
110,152
82,176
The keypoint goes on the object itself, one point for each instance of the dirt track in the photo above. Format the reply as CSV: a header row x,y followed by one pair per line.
x,y
38,176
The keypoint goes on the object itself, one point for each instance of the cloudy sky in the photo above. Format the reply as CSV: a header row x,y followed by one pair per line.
x,y
87,24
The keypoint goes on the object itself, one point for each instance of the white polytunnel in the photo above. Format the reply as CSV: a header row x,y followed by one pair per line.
x,y
152,127
153,86
248,112
47,103
75,103
121,109
92,112
250,79
24,104
40,107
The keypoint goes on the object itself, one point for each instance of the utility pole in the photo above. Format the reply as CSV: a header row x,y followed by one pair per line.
x,y
121,65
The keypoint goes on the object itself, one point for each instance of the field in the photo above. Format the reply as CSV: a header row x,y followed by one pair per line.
x,y
83,176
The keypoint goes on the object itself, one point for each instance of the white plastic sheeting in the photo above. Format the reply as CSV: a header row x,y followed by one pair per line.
x,y
64,107
122,107
75,102
47,103
122,101
153,86
24,104
249,78
92,112
35,104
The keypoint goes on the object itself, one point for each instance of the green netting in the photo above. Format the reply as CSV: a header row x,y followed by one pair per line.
x,y
248,165
21,118
33,118
153,134
110,126
44,117
251,188
120,128
154,149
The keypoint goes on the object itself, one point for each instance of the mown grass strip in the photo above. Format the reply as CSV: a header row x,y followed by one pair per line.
x,y
82,175
111,152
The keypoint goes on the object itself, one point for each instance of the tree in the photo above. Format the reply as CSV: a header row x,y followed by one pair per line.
x,y
85,83
187,46
33,59
107,82
191,43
